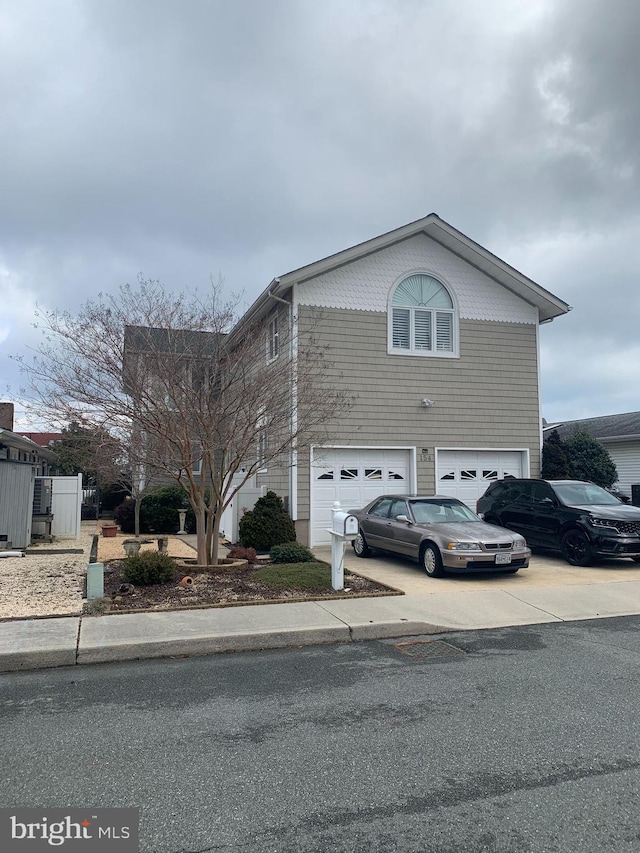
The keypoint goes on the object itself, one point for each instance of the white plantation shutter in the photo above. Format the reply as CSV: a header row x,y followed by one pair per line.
x,y
401,328
444,331
422,330
422,316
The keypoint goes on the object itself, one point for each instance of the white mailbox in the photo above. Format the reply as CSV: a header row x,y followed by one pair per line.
x,y
345,524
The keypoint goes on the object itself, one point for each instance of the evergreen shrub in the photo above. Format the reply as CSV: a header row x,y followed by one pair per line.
x,y
266,525
147,568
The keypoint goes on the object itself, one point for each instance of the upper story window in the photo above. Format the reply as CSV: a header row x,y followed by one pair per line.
x,y
273,340
422,318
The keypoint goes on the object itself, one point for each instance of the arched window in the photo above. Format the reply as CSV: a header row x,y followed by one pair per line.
x,y
422,318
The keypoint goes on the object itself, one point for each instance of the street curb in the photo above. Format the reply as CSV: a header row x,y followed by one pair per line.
x,y
394,628
71,650
215,644
43,644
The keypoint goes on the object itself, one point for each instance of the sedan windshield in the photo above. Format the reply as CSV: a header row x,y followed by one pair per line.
x,y
433,512
583,494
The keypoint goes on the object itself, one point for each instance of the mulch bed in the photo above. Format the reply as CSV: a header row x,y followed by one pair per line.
x,y
223,588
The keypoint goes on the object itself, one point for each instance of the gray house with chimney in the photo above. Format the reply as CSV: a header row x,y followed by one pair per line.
x,y
21,461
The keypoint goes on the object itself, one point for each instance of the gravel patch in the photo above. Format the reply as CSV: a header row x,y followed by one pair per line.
x,y
45,584
48,584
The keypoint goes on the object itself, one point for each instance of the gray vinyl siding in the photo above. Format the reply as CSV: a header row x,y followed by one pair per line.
x,y
626,458
277,475
486,398
16,502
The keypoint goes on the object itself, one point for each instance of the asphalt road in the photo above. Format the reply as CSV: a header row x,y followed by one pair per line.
x,y
518,739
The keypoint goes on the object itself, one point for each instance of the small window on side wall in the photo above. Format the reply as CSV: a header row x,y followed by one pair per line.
x,y
273,339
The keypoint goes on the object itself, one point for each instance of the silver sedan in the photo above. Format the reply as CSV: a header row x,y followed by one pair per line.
x,y
441,533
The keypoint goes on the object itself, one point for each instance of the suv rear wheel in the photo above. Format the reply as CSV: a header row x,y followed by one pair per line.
x,y
576,548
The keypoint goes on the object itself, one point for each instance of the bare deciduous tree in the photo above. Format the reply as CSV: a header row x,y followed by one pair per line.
x,y
185,390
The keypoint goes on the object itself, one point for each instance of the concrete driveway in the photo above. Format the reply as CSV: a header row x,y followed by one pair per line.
x,y
544,570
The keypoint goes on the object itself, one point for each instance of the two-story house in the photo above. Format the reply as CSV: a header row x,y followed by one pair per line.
x,y
436,341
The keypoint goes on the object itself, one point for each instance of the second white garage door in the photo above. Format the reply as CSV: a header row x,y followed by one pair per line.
x,y
353,477
466,474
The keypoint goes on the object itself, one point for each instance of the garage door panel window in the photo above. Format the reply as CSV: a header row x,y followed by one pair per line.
x,y
396,475
373,473
324,475
349,474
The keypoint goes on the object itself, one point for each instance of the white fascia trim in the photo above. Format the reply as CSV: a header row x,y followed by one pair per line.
x,y
524,450
293,336
539,387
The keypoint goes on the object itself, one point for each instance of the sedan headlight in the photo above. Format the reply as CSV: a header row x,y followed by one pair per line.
x,y
464,546
519,542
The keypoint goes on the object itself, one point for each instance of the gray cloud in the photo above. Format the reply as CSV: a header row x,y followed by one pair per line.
x,y
185,139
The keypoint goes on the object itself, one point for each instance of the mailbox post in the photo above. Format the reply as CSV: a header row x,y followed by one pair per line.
x,y
343,528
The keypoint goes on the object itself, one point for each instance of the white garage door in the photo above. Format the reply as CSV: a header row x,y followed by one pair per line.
x,y
353,477
466,474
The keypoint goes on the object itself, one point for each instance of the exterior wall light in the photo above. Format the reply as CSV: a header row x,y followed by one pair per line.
x,y
426,403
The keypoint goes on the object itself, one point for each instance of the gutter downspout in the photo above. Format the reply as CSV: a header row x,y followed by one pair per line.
x,y
293,467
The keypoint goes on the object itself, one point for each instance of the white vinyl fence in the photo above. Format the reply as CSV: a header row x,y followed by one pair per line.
x,y
66,505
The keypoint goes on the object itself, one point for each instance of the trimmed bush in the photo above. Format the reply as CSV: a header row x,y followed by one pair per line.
x,y
160,509
147,568
240,553
266,525
291,552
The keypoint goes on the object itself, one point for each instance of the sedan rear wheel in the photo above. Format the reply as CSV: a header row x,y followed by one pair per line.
x,y
576,548
432,561
360,545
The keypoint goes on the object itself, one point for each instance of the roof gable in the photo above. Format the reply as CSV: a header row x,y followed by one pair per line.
x,y
547,305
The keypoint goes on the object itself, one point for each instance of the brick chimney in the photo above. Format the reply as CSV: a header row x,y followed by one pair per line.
x,y
6,416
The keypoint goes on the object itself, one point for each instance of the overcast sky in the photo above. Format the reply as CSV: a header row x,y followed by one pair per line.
x,y
187,138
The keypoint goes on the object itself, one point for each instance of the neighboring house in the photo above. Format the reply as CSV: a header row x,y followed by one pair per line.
x,y
42,439
620,435
21,461
436,341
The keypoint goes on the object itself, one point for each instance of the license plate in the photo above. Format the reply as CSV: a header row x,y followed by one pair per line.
x,y
503,559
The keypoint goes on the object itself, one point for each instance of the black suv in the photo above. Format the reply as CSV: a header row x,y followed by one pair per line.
x,y
579,519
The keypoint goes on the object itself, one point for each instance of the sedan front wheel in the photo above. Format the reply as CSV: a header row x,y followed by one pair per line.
x,y
360,545
432,561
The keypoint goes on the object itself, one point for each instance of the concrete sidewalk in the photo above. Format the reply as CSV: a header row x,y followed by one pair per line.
x,y
67,641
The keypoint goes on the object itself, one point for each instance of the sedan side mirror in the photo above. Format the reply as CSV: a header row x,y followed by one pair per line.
x,y
547,502
403,518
